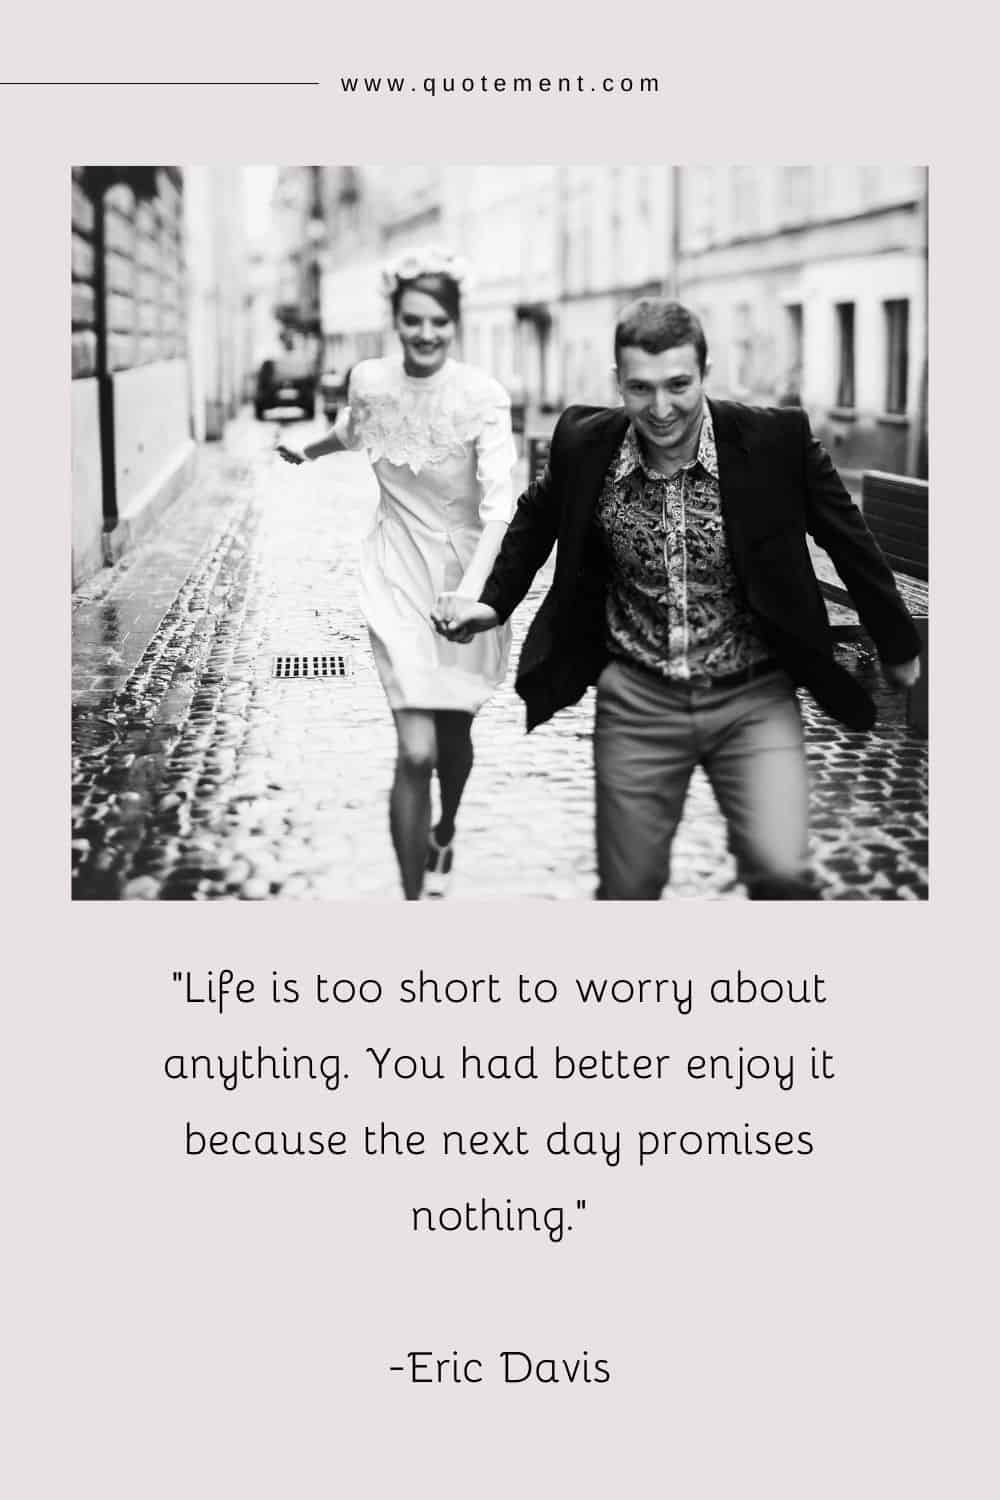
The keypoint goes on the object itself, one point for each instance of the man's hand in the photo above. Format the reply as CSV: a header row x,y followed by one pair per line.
x,y
902,674
459,619
290,455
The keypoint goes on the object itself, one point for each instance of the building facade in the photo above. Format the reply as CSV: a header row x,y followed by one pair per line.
x,y
369,215
219,295
160,314
509,323
132,448
297,212
616,243
811,280
812,285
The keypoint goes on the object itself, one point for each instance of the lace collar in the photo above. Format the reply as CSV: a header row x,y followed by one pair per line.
x,y
417,421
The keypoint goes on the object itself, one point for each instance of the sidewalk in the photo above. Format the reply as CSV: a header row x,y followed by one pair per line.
x,y
198,775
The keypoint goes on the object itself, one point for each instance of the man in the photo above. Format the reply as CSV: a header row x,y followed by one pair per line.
x,y
684,588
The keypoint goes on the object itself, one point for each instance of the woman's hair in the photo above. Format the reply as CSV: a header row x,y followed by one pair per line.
x,y
434,284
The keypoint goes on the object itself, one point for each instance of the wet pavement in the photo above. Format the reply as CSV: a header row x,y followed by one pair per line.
x,y
199,775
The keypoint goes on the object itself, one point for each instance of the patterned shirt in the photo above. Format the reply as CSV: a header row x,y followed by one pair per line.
x,y
674,604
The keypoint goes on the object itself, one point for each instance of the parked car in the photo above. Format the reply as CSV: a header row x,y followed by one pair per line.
x,y
289,380
333,391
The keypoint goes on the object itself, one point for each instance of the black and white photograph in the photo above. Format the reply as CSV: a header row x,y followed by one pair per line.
x,y
476,532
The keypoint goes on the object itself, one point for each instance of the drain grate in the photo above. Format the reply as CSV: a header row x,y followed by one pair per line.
x,y
314,664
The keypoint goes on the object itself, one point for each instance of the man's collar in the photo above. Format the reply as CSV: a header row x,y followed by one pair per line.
x,y
631,457
707,454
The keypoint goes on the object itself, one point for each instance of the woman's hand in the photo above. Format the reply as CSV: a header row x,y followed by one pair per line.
x,y
904,674
459,619
290,455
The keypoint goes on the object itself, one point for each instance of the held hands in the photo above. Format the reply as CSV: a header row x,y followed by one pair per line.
x,y
459,619
902,674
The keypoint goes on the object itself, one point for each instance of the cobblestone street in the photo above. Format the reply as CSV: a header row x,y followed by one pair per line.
x,y
198,775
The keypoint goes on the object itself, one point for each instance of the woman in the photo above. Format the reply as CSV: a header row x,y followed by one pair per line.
x,y
438,436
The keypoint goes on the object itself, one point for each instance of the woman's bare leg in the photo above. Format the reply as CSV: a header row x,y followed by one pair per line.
x,y
454,762
410,799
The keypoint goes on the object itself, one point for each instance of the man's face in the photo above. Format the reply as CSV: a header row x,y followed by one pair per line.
x,y
663,395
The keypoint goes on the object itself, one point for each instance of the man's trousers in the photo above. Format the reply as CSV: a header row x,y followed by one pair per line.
x,y
650,734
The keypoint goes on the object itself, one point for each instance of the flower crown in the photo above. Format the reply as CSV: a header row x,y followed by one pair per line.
x,y
429,260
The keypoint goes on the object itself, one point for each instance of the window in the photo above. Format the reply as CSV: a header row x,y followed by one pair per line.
x,y
793,350
587,372
870,183
797,194
586,243
718,352
845,354
615,216
743,346
698,211
897,349
499,365
642,195
743,190
570,382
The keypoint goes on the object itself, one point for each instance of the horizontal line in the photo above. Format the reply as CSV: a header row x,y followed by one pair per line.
x,y
160,83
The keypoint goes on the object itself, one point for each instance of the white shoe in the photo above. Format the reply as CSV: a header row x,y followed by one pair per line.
x,y
437,876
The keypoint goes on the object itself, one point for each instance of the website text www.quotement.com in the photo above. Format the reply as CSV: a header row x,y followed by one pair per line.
x,y
440,84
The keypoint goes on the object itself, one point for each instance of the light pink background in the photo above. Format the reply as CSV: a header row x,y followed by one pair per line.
x,y
792,1329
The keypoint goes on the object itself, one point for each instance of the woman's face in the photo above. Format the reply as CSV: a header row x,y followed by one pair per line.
x,y
425,331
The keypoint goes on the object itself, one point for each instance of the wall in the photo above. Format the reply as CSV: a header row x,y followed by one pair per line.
x,y
557,250
136,368
145,274
151,425
759,241
355,315
586,345
218,295
86,483
870,438
486,210
616,246
87,498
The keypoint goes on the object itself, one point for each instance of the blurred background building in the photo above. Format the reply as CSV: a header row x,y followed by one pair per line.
x,y
812,285
218,296
811,281
133,444
159,347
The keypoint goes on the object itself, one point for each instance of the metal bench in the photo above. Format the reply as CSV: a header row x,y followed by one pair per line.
x,y
895,508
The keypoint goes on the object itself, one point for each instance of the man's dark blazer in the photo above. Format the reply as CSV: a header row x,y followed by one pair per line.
x,y
777,483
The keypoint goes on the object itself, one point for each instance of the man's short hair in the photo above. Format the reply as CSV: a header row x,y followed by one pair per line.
x,y
655,324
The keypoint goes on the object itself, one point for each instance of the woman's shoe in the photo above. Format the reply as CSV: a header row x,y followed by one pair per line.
x,y
437,876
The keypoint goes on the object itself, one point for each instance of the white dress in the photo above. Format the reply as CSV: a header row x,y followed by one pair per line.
x,y
442,452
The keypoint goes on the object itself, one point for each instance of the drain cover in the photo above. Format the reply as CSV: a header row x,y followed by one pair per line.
x,y
314,664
